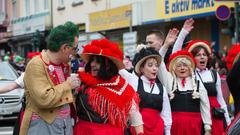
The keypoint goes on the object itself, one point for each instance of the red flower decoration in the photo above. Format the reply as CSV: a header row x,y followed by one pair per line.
x,y
106,48
194,43
232,53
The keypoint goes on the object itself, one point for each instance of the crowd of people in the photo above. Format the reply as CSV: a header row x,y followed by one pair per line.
x,y
170,87
16,61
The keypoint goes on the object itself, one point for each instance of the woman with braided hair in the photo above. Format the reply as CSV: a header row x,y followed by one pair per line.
x,y
105,101
188,98
201,51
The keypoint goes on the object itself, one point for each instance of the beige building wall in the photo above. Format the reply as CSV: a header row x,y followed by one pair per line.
x,y
79,13
9,15
35,17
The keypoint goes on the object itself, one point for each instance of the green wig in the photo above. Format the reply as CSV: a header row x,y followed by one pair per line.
x,y
62,34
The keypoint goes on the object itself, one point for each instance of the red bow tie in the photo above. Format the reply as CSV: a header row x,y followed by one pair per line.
x,y
152,82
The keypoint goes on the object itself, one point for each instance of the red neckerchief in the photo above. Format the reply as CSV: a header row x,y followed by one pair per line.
x,y
152,82
52,72
111,98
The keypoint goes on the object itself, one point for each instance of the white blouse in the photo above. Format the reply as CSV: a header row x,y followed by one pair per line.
x,y
166,109
19,80
206,76
167,79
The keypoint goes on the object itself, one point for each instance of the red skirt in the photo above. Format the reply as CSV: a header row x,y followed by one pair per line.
x,y
217,124
186,123
89,128
153,123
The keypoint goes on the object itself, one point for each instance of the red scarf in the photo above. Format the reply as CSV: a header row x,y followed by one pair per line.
x,y
112,98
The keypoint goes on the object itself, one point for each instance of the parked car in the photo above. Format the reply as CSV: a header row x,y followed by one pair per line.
x,y
10,102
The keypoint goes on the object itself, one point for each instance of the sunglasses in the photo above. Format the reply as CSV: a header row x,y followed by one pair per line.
x,y
76,49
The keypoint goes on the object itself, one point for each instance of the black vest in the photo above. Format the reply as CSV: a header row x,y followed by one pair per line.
x,y
183,101
149,100
210,86
84,111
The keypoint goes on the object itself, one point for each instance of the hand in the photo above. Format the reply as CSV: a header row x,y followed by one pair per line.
x,y
74,81
171,37
188,25
81,69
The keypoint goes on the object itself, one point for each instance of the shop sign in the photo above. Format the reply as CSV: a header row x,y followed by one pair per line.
x,y
27,26
180,9
129,43
110,19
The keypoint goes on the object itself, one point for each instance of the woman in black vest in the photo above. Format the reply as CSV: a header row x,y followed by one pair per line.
x,y
154,102
212,82
188,98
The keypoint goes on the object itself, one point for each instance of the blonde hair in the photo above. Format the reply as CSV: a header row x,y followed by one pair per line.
x,y
184,60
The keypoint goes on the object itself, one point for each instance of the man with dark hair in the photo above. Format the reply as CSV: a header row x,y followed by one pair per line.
x,y
48,85
155,38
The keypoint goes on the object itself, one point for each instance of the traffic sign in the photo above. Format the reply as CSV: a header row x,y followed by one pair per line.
x,y
223,12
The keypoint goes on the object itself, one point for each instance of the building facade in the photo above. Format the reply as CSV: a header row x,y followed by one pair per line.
x,y
100,18
172,13
127,21
5,26
29,23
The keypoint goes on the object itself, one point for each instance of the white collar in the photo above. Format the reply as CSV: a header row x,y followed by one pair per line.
x,y
145,79
199,70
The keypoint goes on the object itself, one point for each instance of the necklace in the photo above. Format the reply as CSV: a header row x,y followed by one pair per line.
x,y
110,84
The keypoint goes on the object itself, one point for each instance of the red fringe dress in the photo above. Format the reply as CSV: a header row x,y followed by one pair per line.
x,y
103,106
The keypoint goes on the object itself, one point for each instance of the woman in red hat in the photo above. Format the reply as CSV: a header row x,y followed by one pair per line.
x,y
154,104
105,101
188,98
201,51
